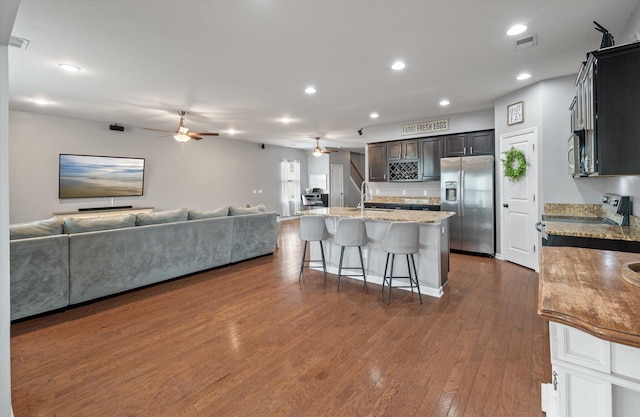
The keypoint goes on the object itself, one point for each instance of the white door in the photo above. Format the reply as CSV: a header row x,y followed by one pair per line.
x,y
519,202
337,186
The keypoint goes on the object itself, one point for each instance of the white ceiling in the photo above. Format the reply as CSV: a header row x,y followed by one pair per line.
x,y
245,64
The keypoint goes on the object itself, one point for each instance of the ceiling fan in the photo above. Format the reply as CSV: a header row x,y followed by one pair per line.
x,y
318,151
182,134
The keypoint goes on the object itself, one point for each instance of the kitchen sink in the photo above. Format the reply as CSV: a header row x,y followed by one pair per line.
x,y
631,272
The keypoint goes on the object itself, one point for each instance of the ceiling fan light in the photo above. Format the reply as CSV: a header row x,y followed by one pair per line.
x,y
181,138
317,152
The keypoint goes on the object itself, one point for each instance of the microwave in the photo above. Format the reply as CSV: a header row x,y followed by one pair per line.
x,y
581,153
575,154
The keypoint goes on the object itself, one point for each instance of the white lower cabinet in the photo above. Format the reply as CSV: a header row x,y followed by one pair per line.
x,y
591,377
582,395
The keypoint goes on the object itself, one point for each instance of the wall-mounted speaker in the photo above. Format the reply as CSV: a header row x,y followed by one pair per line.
x,y
262,146
116,128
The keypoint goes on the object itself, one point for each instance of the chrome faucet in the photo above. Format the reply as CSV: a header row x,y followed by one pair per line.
x,y
364,195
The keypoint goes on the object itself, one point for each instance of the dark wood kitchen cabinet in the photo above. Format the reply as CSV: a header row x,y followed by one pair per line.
x,y
468,144
430,154
377,161
617,100
402,150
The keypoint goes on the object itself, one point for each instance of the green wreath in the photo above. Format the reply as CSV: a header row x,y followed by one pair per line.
x,y
514,164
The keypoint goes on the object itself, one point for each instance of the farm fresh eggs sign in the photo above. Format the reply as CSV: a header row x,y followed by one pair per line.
x,y
425,127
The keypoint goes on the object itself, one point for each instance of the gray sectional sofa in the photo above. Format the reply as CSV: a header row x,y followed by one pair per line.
x,y
81,260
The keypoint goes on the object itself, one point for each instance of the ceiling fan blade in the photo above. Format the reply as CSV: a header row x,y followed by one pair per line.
x,y
157,130
194,137
206,133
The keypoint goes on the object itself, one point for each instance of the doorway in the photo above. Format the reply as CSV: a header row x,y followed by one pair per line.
x,y
337,186
290,194
520,202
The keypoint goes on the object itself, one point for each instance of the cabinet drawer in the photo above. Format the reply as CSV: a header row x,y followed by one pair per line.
x,y
580,348
625,361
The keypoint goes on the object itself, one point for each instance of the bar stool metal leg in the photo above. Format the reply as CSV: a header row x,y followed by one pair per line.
x,y
364,274
305,260
403,238
351,232
393,258
324,263
415,274
304,255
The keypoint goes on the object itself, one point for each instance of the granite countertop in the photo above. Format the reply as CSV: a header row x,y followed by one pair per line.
x,y
432,201
584,288
597,231
563,220
382,214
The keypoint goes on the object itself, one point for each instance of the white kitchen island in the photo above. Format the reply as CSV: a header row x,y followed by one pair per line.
x,y
432,261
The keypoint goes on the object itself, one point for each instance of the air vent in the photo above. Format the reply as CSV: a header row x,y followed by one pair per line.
x,y
526,42
17,42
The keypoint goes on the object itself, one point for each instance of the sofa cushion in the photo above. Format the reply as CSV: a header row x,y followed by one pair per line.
x,y
39,228
208,214
238,211
93,224
157,217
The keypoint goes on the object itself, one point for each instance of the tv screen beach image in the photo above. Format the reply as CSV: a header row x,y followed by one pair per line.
x,y
100,176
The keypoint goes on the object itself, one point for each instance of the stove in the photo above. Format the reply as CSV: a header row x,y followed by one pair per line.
x,y
616,209
312,201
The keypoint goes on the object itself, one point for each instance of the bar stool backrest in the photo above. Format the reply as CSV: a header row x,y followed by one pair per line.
x,y
313,228
351,232
402,238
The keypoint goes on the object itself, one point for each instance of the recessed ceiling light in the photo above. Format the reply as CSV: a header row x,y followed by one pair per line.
x,y
41,101
286,120
445,102
70,68
516,30
374,115
310,90
523,76
231,131
398,65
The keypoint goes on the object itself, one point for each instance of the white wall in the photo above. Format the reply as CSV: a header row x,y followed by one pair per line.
x,y
202,174
351,192
631,31
460,122
318,165
321,165
5,312
8,11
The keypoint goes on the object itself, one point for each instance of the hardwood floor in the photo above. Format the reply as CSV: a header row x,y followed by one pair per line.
x,y
248,340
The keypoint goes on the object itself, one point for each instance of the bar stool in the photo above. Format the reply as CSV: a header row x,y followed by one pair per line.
x,y
313,229
403,238
351,232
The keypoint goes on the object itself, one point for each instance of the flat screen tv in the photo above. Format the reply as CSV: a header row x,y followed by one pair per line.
x,y
83,176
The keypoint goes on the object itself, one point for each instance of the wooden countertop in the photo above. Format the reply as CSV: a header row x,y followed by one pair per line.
x,y
584,288
382,214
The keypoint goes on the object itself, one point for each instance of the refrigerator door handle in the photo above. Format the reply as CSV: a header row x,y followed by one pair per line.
x,y
461,200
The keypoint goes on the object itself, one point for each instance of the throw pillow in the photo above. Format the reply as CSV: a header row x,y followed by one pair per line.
x,y
39,228
208,214
158,217
239,211
94,224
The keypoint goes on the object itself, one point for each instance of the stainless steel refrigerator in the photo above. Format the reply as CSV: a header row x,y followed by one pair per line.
x,y
467,188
